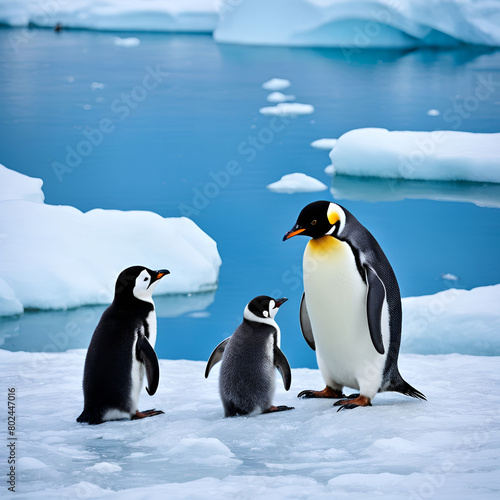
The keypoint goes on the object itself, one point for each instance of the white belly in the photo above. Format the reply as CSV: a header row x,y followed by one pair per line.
x,y
151,321
336,302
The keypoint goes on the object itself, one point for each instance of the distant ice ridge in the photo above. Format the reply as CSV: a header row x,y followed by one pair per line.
x,y
441,155
462,321
114,15
359,24
56,257
297,183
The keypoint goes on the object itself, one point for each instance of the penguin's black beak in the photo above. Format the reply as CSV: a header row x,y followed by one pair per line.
x,y
294,232
280,302
160,274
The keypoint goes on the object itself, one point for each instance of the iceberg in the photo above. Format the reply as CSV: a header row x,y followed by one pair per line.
x,y
279,97
113,15
287,109
131,41
442,155
57,257
296,183
453,321
354,25
325,144
276,84
445,448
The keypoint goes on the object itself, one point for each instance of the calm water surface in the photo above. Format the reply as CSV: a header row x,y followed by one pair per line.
x,y
179,110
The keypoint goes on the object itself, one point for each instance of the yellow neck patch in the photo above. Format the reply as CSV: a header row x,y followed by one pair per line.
x,y
333,215
323,246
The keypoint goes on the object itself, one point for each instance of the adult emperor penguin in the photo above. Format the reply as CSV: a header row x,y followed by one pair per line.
x,y
121,349
249,359
350,312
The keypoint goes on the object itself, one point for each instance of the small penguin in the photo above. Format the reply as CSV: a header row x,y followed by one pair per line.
x,y
121,349
249,357
350,312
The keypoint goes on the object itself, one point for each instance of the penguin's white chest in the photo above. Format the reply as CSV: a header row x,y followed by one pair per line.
x,y
336,302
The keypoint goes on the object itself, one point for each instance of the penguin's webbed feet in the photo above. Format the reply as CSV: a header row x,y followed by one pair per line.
x,y
274,409
146,413
327,392
349,404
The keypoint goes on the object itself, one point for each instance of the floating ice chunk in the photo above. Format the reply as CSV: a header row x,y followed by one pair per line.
x,y
276,84
279,97
296,183
104,468
433,112
460,321
449,277
330,170
126,42
97,86
30,463
440,155
326,144
287,109
75,257
206,451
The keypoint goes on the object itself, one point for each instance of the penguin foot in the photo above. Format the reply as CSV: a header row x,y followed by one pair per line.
x,y
349,404
274,409
146,413
352,396
327,392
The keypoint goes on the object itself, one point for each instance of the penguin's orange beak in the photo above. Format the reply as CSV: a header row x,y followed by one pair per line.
x,y
161,273
293,232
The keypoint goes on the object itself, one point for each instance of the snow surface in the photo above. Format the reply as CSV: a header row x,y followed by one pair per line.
x,y
461,321
276,84
360,24
113,15
296,183
440,155
287,109
444,448
279,97
75,257
326,144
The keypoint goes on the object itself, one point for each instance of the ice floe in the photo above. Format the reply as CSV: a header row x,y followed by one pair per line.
x,y
297,183
287,109
276,84
279,97
326,144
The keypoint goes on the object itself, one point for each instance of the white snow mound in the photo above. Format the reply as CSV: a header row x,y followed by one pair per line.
x,y
56,257
359,24
297,183
287,109
441,155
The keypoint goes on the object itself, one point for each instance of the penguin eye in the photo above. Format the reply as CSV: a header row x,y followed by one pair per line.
x,y
313,223
146,279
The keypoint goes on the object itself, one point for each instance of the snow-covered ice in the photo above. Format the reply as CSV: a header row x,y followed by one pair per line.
x,y
440,155
287,109
326,144
276,84
444,448
297,183
131,41
75,257
279,97
114,15
360,24
462,321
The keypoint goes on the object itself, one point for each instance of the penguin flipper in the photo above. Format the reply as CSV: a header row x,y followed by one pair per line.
x,y
374,303
216,356
283,367
305,323
147,355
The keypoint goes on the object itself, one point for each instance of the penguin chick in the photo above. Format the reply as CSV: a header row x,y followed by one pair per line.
x,y
247,379
122,349
350,312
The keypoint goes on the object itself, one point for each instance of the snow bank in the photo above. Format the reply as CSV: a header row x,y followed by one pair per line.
x,y
16,186
115,15
55,257
359,24
440,155
287,109
445,448
459,321
296,183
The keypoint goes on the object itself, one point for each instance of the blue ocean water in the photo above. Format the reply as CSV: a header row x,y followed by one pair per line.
x,y
173,126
